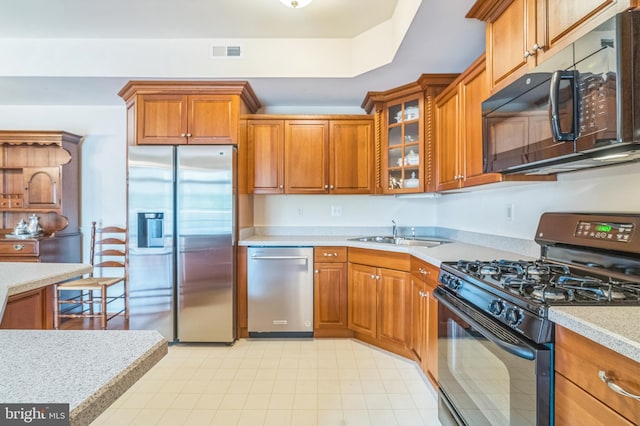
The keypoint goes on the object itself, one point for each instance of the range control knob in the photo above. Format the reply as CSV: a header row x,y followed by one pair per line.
x,y
513,316
496,307
455,284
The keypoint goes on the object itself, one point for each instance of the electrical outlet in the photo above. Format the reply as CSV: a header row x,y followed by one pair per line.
x,y
336,210
509,212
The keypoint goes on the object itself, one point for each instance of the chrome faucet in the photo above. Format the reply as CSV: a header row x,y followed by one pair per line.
x,y
394,229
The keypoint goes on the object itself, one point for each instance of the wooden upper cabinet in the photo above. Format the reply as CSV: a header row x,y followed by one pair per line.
x,y
174,112
213,119
448,140
310,154
266,156
351,156
523,33
405,136
306,162
42,188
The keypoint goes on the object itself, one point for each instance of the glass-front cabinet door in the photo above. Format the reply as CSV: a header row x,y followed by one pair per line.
x,y
403,153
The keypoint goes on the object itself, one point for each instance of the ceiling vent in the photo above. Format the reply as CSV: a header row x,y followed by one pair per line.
x,y
218,52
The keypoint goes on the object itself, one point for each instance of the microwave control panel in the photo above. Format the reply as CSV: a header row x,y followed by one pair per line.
x,y
618,232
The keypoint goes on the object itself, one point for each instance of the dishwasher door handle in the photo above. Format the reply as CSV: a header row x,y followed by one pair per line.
x,y
280,257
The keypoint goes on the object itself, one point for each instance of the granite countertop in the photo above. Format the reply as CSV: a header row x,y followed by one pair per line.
x,y
450,251
88,370
16,277
615,327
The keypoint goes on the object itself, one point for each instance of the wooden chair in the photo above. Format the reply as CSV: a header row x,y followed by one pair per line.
x,y
93,294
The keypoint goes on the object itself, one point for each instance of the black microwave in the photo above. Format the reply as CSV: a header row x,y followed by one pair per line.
x,y
578,109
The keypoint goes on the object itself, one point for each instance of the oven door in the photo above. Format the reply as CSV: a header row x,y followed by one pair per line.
x,y
487,374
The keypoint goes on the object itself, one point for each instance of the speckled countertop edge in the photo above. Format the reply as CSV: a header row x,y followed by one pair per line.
x,y
16,277
614,327
87,369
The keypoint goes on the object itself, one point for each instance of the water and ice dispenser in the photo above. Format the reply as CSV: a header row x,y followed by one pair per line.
x,y
150,230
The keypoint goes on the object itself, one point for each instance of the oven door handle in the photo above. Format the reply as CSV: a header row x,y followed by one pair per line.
x,y
517,350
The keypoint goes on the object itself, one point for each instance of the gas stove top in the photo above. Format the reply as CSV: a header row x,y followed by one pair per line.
x,y
586,259
549,283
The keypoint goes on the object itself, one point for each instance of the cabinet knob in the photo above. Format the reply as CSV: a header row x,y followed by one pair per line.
x,y
188,135
317,271
527,54
326,187
331,187
423,271
330,254
18,247
377,277
536,47
182,135
281,186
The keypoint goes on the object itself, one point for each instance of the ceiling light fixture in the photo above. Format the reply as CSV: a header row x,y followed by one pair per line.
x,y
295,4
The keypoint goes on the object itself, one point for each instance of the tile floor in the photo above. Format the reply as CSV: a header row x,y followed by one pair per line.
x,y
278,382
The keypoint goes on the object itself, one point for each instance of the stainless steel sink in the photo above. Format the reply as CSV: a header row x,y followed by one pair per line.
x,y
403,240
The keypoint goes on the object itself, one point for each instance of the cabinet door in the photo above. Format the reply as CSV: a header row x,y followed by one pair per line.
x,y
161,119
473,90
574,406
508,38
362,309
432,334
213,119
42,189
266,156
448,143
418,320
306,163
351,156
403,156
330,296
394,308
31,310
561,17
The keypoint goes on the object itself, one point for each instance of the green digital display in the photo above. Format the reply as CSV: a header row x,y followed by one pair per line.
x,y
603,228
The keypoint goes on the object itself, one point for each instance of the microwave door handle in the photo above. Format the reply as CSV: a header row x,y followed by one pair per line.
x,y
554,105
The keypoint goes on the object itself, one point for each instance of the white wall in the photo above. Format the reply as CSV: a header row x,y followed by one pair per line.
x,y
606,189
357,210
103,153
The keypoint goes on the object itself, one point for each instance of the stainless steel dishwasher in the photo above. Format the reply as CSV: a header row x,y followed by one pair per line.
x,y
280,291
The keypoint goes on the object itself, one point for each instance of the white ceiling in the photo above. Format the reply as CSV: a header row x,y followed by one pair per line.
x,y
439,40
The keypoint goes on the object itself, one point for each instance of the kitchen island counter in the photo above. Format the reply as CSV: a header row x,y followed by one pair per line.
x,y
88,369
16,277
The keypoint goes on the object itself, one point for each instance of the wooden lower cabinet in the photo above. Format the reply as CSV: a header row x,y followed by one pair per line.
x,y
30,310
581,397
330,292
363,296
379,302
424,317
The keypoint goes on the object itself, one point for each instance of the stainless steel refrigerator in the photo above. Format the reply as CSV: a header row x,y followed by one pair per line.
x,y
182,237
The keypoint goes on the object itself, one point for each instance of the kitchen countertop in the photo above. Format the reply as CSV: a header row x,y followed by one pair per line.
x,y
615,327
451,251
16,277
87,369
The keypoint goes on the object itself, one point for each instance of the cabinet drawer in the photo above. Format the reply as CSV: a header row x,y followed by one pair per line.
x,y
580,360
424,271
18,248
380,258
330,254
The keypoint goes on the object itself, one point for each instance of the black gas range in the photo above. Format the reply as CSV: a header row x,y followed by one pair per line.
x,y
586,259
495,340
